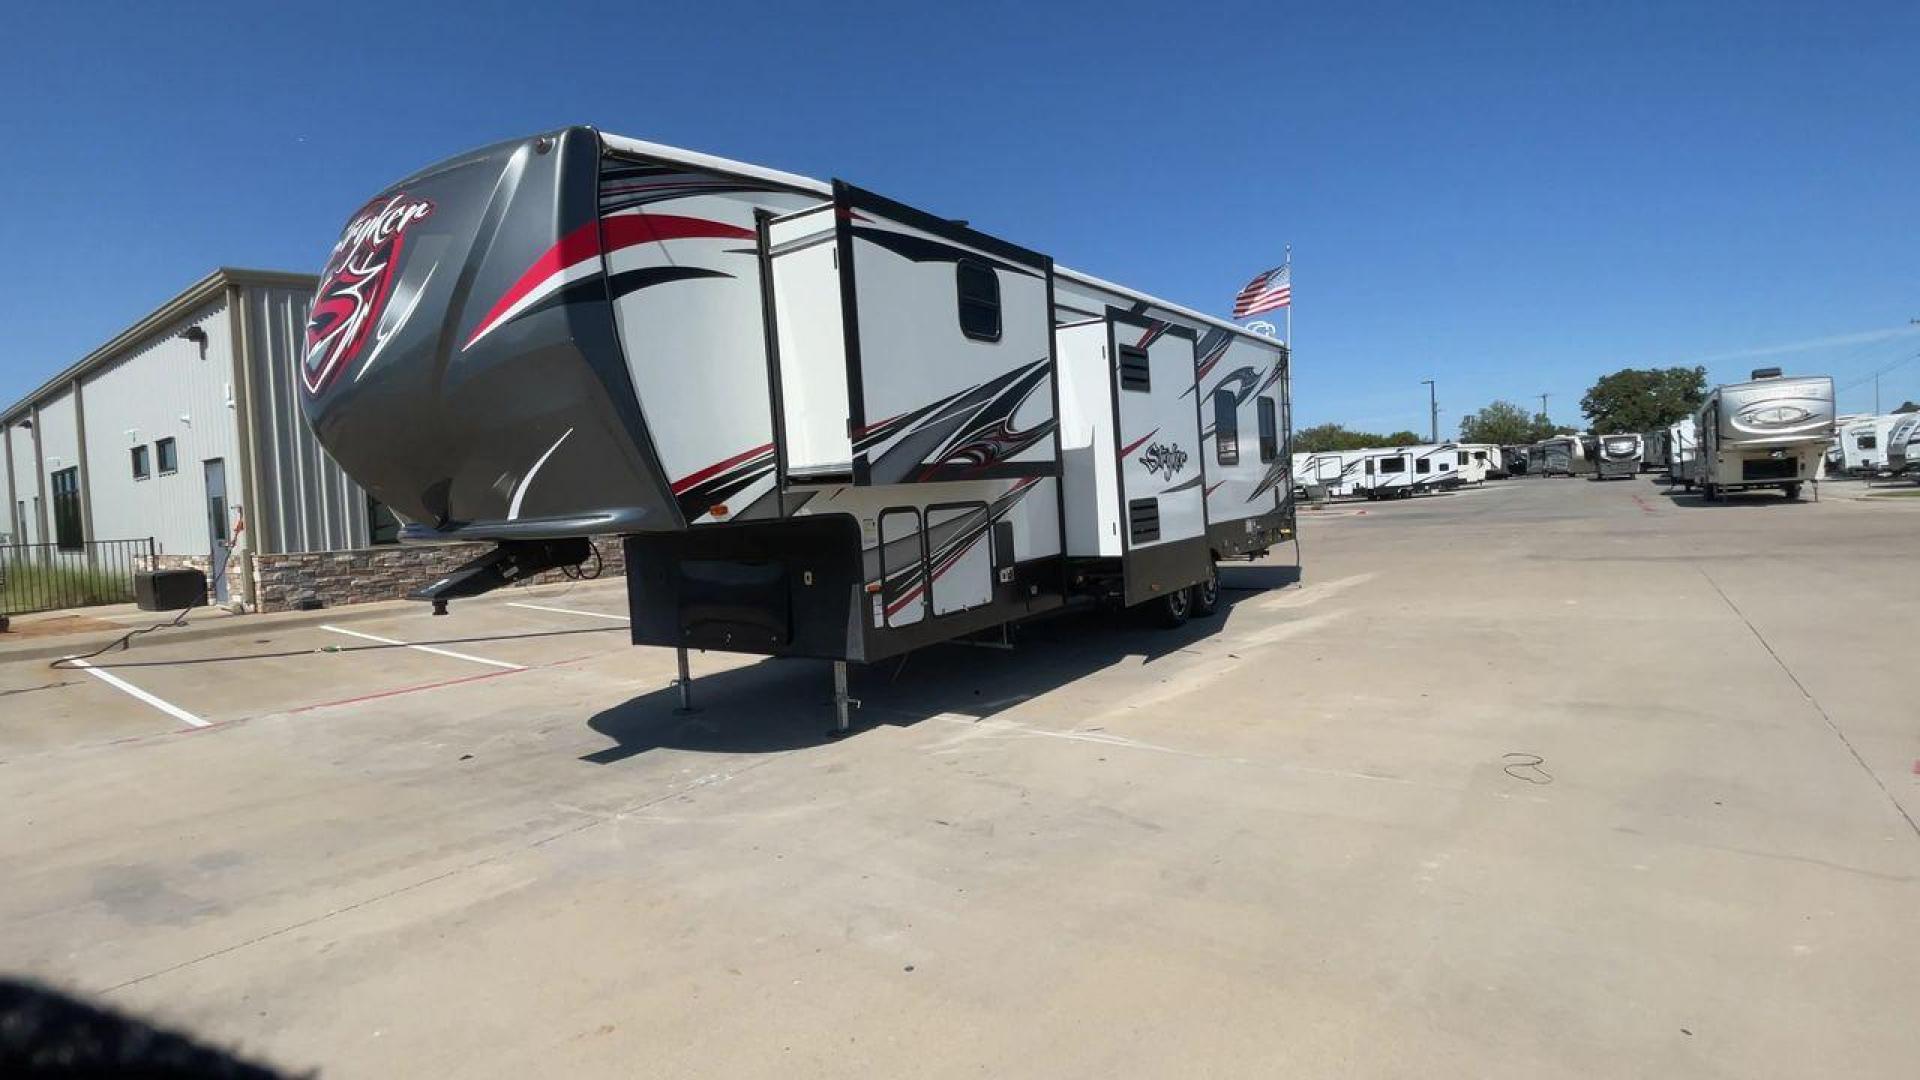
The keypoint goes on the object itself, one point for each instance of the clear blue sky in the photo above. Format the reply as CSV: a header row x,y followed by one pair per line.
x,y
1511,198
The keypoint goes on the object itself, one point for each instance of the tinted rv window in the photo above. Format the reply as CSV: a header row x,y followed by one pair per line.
x,y
1423,465
169,459
1463,457
979,289
1866,442
1269,431
141,468
1136,373
1393,464
1226,428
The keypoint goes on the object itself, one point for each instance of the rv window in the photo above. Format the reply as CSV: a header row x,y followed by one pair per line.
x,y
1866,442
1463,457
1479,455
1423,466
1269,431
1226,427
169,459
1136,372
979,291
141,468
1393,464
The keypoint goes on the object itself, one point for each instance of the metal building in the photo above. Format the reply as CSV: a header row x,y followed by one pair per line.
x,y
177,429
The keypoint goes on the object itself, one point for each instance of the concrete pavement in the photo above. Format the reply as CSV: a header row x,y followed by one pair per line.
x,y
1549,777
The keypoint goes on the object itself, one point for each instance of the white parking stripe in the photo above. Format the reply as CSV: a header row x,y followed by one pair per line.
x,y
427,648
119,683
568,611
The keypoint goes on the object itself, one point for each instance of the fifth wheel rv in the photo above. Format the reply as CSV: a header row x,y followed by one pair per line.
x,y
1619,456
1903,445
824,423
1771,432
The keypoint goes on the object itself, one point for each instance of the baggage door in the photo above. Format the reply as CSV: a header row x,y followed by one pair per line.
x,y
1162,476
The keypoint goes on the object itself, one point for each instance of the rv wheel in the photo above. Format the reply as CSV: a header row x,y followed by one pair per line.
x,y
1792,490
1206,595
1173,609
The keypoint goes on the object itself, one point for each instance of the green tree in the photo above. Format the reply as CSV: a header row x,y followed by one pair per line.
x,y
1501,423
1643,399
1323,437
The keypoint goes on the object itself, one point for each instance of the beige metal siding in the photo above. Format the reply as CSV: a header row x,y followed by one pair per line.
x,y
307,502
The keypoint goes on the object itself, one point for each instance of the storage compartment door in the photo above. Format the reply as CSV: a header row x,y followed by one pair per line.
x,y
961,556
902,600
1091,483
811,338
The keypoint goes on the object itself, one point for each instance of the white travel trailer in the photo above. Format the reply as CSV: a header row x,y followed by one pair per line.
x,y
1401,471
1337,471
1903,445
1770,432
1478,462
1862,444
1681,448
824,423
1618,456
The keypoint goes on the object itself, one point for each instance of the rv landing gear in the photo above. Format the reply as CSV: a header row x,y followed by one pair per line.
x,y
1206,595
685,683
841,702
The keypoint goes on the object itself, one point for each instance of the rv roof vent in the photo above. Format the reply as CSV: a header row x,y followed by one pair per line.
x,y
1766,373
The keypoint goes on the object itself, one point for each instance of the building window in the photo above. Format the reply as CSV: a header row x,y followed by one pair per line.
x,y
979,290
1226,428
169,457
142,467
1136,370
1269,431
66,510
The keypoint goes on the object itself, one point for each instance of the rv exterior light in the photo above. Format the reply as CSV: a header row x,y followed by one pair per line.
x,y
195,334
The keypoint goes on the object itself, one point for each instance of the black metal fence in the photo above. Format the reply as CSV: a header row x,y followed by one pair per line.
x,y
47,577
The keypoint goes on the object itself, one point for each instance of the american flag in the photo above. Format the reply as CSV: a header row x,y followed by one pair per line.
x,y
1268,292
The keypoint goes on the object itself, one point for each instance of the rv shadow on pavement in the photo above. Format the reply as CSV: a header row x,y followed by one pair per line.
x,y
1750,500
776,704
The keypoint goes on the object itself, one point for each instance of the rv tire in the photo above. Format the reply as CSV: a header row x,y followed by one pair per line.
x,y
1172,610
1792,490
1206,595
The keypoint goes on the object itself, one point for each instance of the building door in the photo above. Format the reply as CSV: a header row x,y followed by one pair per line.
x,y
217,538
66,510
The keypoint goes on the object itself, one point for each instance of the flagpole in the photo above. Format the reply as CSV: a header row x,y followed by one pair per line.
x,y
1289,265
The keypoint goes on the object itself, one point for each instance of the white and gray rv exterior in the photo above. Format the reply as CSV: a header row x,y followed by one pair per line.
x,y
1769,432
1401,471
1903,444
1478,462
1617,455
825,423
1336,471
1681,447
1557,456
1863,443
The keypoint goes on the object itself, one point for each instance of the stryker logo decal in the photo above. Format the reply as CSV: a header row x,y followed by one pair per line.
x,y
1164,460
355,286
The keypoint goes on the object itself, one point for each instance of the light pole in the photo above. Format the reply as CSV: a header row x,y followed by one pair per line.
x,y
1433,409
